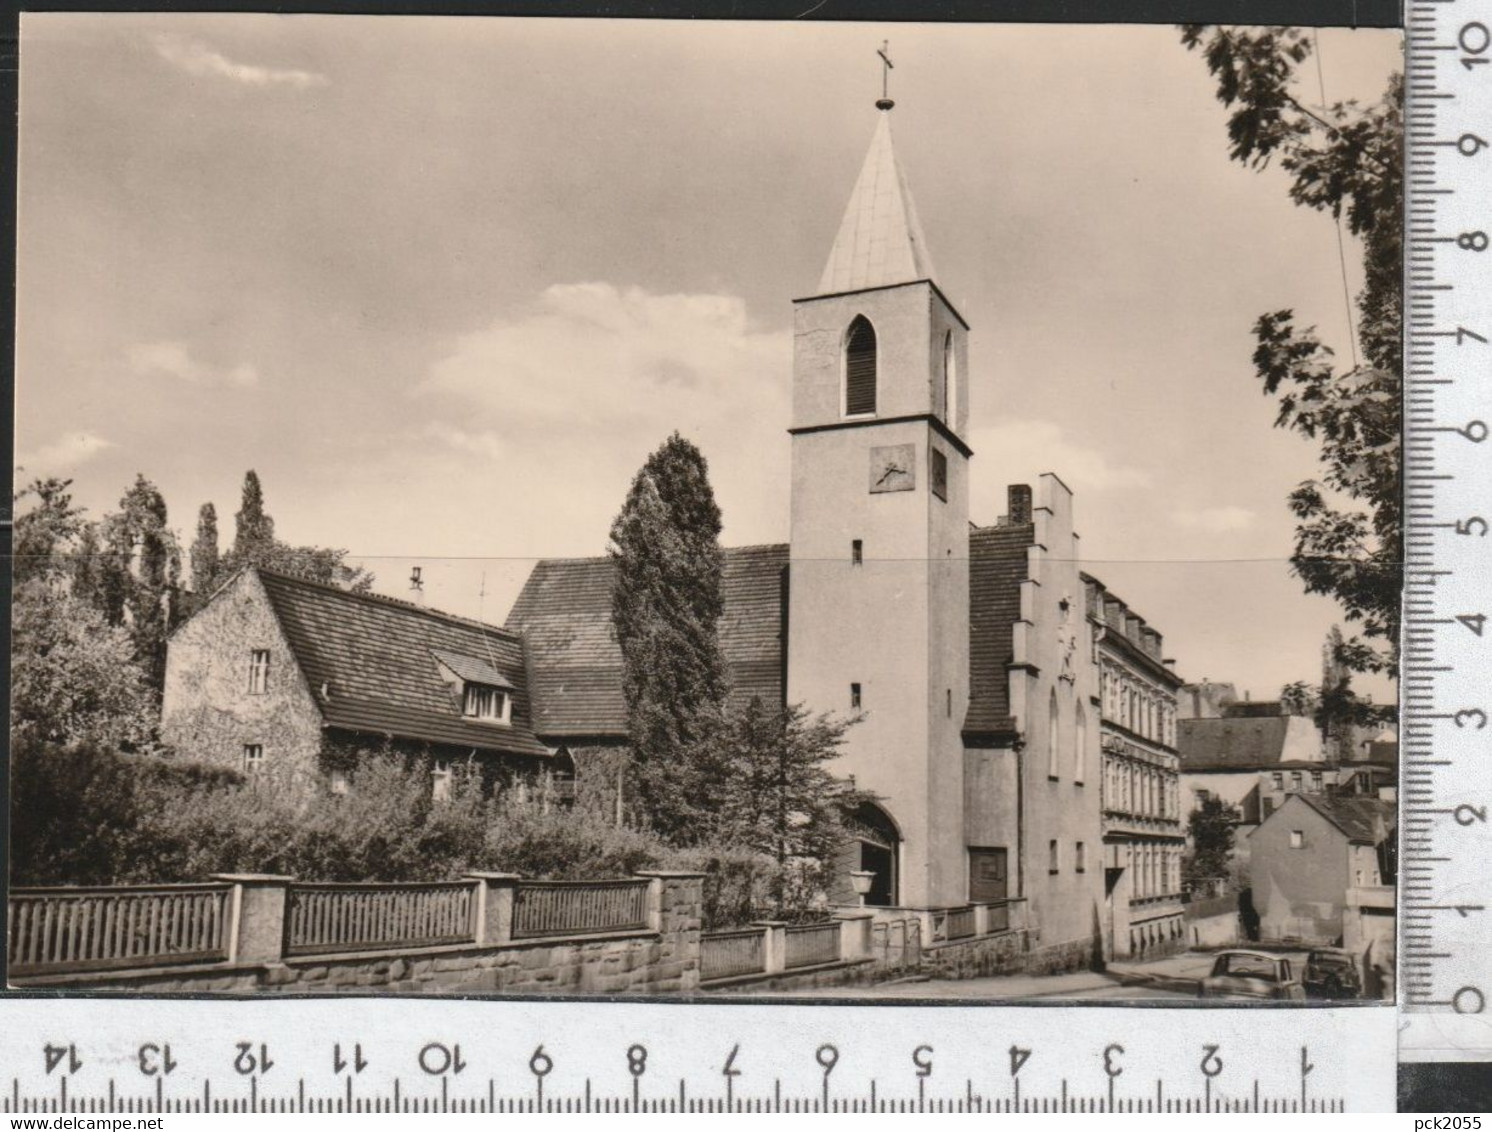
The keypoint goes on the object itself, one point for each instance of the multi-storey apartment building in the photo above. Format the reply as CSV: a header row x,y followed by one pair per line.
x,y
1143,834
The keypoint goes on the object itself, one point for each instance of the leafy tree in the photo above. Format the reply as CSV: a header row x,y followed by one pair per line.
x,y
780,799
1299,698
1211,832
1347,160
74,677
666,608
205,562
45,533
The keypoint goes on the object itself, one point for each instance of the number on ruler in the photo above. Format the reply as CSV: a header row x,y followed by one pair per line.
x,y
1467,814
1472,241
1462,334
246,1063
56,1055
156,1059
922,1059
1473,621
1475,431
1474,40
1475,525
637,1059
1465,715
1470,144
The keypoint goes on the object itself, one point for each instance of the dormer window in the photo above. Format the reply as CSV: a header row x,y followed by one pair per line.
x,y
484,702
481,689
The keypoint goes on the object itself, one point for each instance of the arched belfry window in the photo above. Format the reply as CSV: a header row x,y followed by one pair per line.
x,y
950,382
860,368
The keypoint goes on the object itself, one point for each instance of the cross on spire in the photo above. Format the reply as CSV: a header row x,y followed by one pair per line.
x,y
884,102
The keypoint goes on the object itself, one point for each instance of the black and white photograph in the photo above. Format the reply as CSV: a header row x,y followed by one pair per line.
x,y
826,511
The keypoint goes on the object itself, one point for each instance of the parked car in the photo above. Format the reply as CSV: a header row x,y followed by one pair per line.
x,y
1331,972
1252,974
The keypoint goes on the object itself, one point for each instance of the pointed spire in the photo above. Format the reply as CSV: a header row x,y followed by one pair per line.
x,y
880,239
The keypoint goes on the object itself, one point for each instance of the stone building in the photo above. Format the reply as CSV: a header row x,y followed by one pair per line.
x,y
1143,836
287,678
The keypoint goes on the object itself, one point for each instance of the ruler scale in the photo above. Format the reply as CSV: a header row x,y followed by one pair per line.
x,y
364,1055
1446,725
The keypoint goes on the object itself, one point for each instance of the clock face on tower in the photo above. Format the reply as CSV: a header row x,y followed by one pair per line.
x,y
893,468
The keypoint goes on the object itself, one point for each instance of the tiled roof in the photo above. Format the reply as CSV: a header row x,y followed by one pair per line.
x,y
1364,820
375,658
1250,743
472,669
880,240
997,567
575,667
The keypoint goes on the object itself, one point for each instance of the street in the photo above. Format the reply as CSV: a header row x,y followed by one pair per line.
x,y
1171,977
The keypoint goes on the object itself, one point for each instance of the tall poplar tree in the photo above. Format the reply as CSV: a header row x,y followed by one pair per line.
x,y
205,562
253,529
141,565
666,607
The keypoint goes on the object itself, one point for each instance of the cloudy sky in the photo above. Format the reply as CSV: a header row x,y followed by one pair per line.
x,y
445,282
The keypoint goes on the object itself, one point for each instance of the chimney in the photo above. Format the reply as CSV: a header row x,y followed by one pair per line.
x,y
1019,504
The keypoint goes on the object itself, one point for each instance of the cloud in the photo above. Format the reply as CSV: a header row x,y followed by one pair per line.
x,y
485,444
65,452
593,353
1019,450
200,60
1216,520
173,359
570,392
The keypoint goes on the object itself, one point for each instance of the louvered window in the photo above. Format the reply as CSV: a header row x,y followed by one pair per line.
x,y
860,368
939,474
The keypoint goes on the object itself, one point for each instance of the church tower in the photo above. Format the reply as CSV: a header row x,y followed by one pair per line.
x,y
879,585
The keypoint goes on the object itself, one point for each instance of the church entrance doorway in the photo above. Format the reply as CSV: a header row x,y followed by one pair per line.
x,y
879,844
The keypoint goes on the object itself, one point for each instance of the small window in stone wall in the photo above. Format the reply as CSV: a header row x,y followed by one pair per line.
x,y
253,759
1297,839
855,698
857,552
338,783
1054,857
1080,857
258,672
440,780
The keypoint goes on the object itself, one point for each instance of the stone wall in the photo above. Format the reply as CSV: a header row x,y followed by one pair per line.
x,y
1003,954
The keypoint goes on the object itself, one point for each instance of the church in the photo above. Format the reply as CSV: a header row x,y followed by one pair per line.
x,y
968,650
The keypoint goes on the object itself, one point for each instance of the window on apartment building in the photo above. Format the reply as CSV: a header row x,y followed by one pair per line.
x,y
855,697
1297,839
482,701
440,780
857,552
1054,857
258,672
1052,751
1296,781
253,758
1278,779
938,473
1080,858
1080,755
338,783
1316,780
